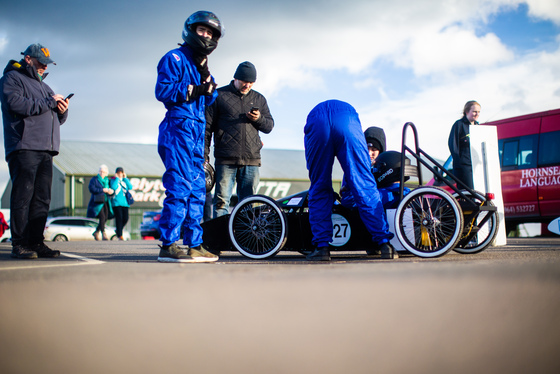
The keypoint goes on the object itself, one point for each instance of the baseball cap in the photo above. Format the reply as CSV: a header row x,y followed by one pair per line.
x,y
41,53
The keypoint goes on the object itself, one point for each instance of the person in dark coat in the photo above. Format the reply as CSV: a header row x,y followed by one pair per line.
x,y
460,145
235,119
102,208
32,114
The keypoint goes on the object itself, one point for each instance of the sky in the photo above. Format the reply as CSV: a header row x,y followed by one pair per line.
x,y
395,62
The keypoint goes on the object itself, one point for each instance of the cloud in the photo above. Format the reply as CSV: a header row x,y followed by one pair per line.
x,y
526,85
545,9
394,61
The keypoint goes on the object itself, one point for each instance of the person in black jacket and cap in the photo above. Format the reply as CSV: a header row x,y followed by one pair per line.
x,y
235,119
32,115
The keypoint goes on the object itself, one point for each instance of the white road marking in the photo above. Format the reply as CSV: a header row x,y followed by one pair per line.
x,y
84,261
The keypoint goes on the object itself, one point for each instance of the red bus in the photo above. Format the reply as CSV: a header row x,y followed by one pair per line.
x,y
529,149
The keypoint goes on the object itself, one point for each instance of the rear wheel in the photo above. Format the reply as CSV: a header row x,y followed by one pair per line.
x,y
485,234
60,238
257,227
428,222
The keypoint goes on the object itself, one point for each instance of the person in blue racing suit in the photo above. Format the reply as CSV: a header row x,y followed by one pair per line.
x,y
185,86
333,129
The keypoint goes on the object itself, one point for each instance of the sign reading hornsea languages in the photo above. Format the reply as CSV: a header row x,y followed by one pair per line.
x,y
547,176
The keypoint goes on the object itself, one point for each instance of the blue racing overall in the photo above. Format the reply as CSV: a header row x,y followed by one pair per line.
x,y
181,147
333,128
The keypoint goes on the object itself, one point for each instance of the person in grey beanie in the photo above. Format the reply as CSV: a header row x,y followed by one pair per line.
x,y
235,120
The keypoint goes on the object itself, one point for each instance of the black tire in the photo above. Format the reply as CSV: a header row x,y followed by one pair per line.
x,y
257,227
60,238
486,234
429,222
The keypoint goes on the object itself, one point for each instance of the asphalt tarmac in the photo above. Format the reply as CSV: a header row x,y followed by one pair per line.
x,y
110,307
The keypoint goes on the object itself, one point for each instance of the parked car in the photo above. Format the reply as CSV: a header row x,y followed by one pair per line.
x,y
149,228
76,228
6,236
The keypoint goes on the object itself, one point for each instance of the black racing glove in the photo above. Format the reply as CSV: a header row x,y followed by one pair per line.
x,y
205,89
201,63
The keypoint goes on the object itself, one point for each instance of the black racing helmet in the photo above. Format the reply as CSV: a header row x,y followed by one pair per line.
x,y
209,174
387,168
198,43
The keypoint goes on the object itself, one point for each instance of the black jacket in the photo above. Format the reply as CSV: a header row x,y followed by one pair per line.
x,y
31,121
236,138
460,147
459,142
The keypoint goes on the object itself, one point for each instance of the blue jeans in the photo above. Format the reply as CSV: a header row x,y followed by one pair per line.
x,y
247,178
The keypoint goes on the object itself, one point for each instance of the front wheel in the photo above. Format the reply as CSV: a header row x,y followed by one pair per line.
x,y
257,227
429,222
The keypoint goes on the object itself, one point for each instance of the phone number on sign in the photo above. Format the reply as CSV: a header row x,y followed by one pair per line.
x,y
521,209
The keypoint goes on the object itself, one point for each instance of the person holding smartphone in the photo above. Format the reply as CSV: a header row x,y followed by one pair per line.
x,y
32,115
235,119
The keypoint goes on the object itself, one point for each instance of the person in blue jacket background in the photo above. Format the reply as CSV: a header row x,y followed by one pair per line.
x,y
333,129
185,86
120,184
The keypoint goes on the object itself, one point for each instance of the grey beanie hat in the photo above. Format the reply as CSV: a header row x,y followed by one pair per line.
x,y
246,72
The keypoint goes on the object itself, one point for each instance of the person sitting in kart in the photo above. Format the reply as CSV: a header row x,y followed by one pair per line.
x,y
376,143
387,172
333,129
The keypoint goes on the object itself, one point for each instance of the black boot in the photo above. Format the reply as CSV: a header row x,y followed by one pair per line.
x,y
19,251
374,250
320,254
388,252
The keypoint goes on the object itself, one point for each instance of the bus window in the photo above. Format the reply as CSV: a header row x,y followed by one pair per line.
x,y
518,153
549,153
527,152
510,154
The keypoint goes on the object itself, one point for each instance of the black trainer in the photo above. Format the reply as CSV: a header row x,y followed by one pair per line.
x,y
374,250
388,252
44,251
320,254
19,251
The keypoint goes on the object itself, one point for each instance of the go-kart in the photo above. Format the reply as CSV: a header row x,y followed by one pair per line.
x,y
428,221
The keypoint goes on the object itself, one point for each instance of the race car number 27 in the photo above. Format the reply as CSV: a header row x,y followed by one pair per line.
x,y
341,230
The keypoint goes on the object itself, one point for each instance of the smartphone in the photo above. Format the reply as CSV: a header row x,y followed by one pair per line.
x,y
254,109
69,96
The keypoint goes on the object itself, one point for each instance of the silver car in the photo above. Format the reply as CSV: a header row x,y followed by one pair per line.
x,y
76,228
